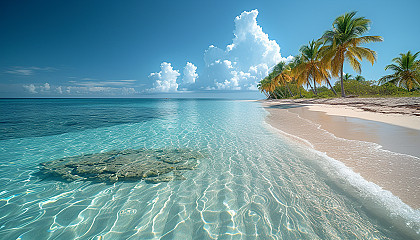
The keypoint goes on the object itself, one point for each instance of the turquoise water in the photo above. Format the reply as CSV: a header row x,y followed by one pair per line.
x,y
253,183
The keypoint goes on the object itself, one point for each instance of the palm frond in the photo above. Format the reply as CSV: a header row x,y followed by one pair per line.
x,y
354,63
406,71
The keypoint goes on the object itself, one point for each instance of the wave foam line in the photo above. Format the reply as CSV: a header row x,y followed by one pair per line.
x,y
374,198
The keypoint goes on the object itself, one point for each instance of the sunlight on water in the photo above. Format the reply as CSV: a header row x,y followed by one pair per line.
x,y
251,184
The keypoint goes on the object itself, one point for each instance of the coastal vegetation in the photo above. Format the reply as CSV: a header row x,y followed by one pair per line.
x,y
406,71
343,43
322,59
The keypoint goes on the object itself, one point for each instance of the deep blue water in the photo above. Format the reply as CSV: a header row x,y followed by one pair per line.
x,y
253,182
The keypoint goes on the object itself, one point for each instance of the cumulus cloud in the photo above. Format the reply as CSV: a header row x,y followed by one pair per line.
x,y
189,74
244,62
45,88
59,90
30,88
128,91
165,80
238,66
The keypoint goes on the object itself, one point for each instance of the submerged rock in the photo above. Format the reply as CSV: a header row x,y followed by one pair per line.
x,y
154,166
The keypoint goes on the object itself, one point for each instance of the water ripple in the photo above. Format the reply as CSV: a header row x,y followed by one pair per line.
x,y
252,184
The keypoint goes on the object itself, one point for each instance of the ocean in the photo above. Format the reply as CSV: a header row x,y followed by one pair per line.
x,y
250,182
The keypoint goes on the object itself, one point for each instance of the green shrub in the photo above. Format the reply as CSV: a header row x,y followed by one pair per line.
x,y
370,89
351,87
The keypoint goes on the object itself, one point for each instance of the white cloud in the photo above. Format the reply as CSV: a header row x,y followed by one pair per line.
x,y
59,90
112,90
128,91
189,73
89,86
45,88
165,80
107,91
252,87
30,88
80,90
238,66
27,71
233,82
24,72
115,83
99,89
245,61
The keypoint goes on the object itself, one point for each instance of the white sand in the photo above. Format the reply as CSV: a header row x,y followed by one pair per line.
x,y
408,121
319,124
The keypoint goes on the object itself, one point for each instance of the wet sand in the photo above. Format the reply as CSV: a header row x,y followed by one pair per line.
x,y
383,153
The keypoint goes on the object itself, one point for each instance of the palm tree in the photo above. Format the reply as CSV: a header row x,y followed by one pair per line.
x,y
283,76
292,66
406,71
267,87
274,90
359,78
312,66
279,76
347,77
343,43
263,86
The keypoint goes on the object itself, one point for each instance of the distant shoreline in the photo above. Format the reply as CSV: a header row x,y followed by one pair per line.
x,y
384,154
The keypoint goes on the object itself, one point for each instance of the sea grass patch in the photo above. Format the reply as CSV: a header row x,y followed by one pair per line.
x,y
151,165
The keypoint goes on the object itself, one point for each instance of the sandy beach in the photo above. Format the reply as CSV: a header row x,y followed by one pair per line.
x,y
376,137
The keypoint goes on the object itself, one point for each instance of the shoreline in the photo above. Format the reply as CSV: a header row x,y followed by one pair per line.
x,y
382,149
404,112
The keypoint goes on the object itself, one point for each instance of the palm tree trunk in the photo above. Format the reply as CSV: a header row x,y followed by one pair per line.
x,y
290,92
316,93
278,95
282,93
342,82
273,95
332,89
309,83
298,87
266,94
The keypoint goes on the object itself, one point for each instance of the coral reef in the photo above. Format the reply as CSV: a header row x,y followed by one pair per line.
x,y
153,166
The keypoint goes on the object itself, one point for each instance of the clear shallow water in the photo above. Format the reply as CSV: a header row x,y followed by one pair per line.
x,y
252,184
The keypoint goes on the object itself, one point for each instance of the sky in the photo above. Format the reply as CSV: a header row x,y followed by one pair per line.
x,y
176,49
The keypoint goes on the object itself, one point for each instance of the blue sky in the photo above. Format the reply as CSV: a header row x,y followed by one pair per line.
x,y
175,48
